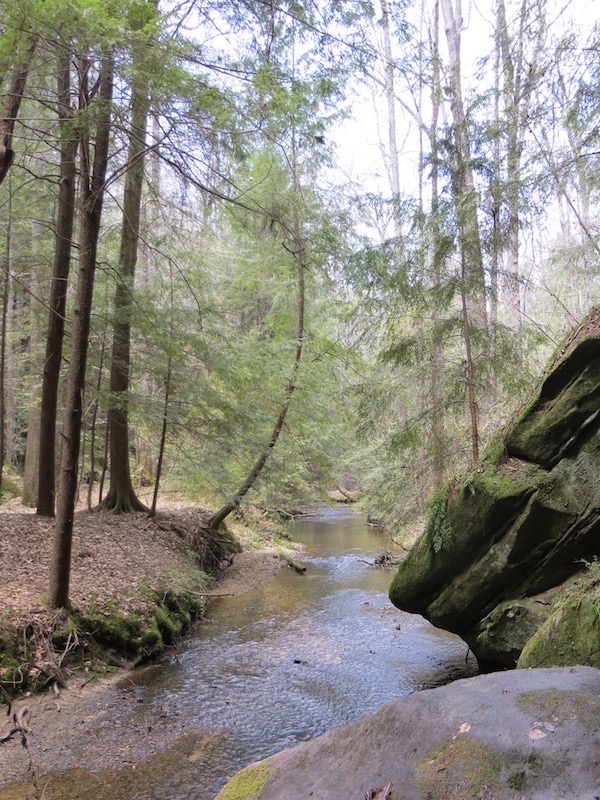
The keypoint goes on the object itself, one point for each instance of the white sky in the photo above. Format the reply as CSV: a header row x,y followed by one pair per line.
x,y
359,155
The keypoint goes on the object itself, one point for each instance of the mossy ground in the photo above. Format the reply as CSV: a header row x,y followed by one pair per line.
x,y
129,603
96,638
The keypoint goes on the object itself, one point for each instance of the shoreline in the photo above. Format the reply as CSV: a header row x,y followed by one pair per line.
x,y
84,715
137,584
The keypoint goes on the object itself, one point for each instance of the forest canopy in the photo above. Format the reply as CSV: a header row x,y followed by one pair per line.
x,y
262,250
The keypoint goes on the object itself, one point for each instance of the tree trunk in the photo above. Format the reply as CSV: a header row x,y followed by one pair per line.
x,y
4,337
300,256
121,497
394,166
11,105
519,74
32,450
163,438
469,371
93,423
92,194
437,428
237,498
65,218
465,195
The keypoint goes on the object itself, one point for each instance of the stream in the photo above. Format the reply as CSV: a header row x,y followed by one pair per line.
x,y
300,655
279,664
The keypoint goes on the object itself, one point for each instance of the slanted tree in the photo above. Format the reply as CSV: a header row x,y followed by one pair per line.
x,y
13,97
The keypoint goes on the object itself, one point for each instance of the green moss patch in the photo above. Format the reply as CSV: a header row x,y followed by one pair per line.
x,y
460,769
98,637
247,784
571,634
143,633
561,707
10,487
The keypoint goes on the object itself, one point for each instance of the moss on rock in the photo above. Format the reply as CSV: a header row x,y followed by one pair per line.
x,y
562,707
567,403
460,769
570,635
477,513
247,784
519,524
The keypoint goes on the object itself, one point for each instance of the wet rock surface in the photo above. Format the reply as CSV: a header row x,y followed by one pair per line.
x,y
531,734
505,546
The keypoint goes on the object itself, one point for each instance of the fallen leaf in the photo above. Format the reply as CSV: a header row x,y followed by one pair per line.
x,y
536,733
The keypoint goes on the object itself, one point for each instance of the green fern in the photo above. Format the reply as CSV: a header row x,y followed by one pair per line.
x,y
441,530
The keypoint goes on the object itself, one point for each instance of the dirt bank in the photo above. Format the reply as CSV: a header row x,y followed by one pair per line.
x,y
82,722
136,585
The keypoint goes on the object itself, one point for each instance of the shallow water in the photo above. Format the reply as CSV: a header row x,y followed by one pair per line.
x,y
280,664
297,656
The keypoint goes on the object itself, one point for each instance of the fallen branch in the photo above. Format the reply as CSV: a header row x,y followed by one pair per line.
x,y
293,564
20,726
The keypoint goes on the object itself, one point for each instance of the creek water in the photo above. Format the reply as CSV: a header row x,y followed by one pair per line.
x,y
298,656
282,663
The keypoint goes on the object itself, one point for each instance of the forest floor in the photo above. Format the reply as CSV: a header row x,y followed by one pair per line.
x,y
121,564
115,559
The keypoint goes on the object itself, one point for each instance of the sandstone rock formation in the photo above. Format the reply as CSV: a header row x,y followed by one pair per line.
x,y
531,734
506,546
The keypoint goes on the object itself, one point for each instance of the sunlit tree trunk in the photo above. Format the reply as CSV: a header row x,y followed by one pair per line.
x,y
465,195
437,428
392,154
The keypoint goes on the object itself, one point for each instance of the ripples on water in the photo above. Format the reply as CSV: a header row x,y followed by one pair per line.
x,y
300,655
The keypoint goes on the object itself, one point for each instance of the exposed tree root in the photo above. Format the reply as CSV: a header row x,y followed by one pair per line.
x,y
122,503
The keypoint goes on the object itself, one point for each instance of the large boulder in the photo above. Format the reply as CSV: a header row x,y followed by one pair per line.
x,y
531,734
510,540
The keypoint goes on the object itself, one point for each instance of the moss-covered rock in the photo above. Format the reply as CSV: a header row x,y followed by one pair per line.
x,y
571,634
459,767
566,406
10,487
522,523
247,784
